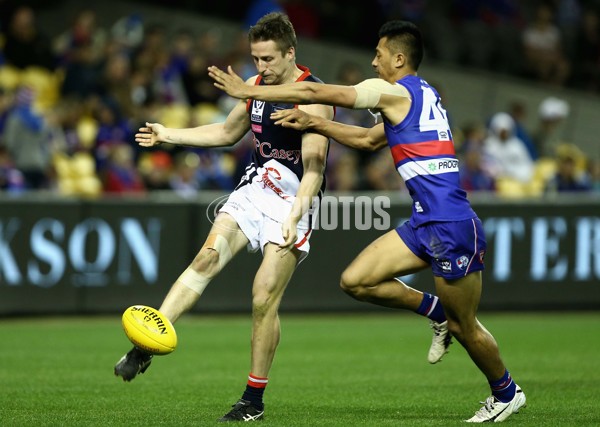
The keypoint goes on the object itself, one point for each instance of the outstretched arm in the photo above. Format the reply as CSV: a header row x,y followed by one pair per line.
x,y
212,135
392,100
368,139
298,92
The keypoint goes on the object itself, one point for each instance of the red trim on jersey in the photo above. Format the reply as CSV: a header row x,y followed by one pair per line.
x,y
305,74
249,102
422,149
304,239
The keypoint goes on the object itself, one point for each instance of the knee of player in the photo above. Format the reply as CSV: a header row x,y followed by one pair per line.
x,y
263,302
213,256
351,284
463,331
207,262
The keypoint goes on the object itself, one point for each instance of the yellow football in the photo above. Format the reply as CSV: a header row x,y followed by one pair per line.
x,y
149,329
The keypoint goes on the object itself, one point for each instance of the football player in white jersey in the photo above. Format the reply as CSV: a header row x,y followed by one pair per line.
x,y
266,211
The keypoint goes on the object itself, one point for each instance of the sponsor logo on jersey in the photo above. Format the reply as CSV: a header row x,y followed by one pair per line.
x,y
418,207
266,180
258,108
265,150
462,262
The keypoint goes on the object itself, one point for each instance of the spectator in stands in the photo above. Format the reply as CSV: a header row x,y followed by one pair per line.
x,y
552,114
518,111
216,169
473,175
24,44
570,176
115,85
129,32
120,174
82,71
545,59
156,168
113,130
507,154
82,33
27,138
185,174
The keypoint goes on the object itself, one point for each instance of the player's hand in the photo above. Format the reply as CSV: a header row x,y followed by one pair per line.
x,y
292,118
228,82
290,235
151,135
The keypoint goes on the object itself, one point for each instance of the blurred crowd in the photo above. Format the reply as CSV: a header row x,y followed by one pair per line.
x,y
70,105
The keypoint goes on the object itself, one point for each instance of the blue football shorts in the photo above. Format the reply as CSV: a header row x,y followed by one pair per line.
x,y
453,249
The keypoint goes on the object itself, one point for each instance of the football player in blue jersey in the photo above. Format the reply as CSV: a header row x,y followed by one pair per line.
x,y
443,233
265,211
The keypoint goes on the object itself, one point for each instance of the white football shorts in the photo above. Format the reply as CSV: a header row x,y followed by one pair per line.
x,y
258,227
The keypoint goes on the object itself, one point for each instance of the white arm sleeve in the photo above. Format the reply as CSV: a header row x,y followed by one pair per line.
x,y
368,92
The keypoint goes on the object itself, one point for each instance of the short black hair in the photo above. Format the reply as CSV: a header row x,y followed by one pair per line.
x,y
405,37
274,26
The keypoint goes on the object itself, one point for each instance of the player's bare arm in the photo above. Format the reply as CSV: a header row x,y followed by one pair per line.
x,y
314,156
212,135
298,93
393,100
367,139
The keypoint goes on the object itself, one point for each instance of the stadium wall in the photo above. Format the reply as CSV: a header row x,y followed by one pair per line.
x,y
62,256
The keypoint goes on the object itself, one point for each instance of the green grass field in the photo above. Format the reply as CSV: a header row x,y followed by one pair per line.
x,y
330,370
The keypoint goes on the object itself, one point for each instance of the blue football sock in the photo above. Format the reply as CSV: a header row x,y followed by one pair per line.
x,y
431,307
504,389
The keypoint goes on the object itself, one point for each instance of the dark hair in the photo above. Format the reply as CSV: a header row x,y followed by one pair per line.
x,y
274,26
405,37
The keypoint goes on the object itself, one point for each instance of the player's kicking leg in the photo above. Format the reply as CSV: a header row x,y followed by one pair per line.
x,y
224,241
135,362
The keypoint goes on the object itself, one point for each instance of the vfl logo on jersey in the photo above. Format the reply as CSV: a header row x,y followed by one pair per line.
x,y
258,107
462,262
266,180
